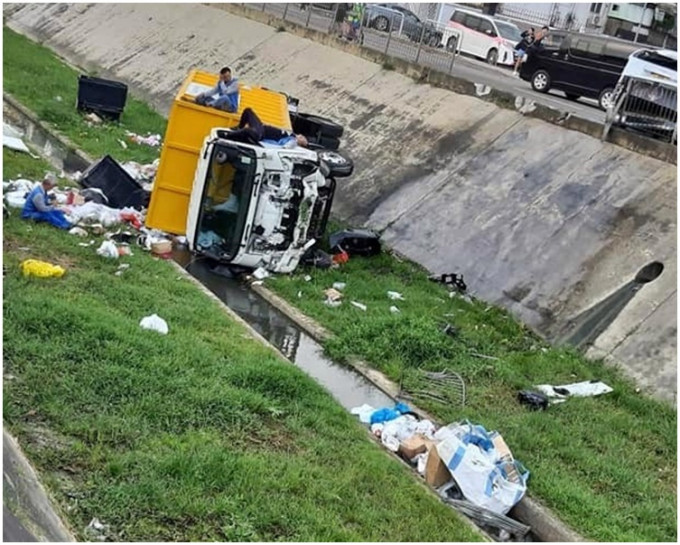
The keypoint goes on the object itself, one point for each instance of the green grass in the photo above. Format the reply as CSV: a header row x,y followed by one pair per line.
x,y
607,466
199,435
26,63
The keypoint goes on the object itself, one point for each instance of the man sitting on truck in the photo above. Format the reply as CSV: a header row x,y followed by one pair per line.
x,y
224,96
251,130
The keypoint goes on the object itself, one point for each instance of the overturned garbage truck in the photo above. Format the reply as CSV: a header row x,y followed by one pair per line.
x,y
250,205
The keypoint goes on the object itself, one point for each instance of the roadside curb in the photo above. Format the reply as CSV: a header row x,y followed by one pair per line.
x,y
34,508
544,523
503,99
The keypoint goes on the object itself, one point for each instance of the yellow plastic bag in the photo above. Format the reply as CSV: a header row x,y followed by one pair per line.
x,y
41,269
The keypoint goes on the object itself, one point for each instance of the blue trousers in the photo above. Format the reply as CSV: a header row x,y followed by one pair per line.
x,y
53,217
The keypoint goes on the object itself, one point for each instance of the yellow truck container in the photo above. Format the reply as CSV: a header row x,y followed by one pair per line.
x,y
188,126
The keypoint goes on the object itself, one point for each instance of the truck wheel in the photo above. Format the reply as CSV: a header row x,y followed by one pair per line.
x,y
540,81
316,124
339,165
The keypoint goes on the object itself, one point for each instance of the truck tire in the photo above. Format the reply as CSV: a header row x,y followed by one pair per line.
x,y
315,124
540,81
339,165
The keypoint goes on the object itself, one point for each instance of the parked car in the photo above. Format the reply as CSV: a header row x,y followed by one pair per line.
x,y
581,65
645,98
391,17
482,36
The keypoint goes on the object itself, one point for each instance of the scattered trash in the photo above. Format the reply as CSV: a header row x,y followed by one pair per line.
x,y
395,296
93,118
387,414
307,278
394,310
333,294
41,269
339,285
484,356
122,268
96,525
359,305
559,394
78,231
260,273
124,250
122,144
121,237
153,140
505,526
332,304
450,330
355,242
341,257
364,413
482,466
108,249
86,244
299,294
121,189
154,323
452,279
11,138
533,400
315,257
446,387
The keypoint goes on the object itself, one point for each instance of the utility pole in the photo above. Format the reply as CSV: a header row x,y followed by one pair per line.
x,y
637,30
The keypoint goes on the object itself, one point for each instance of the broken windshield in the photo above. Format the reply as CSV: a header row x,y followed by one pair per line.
x,y
225,201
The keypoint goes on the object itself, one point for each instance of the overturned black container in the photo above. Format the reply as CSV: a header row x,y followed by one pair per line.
x,y
104,97
119,187
359,242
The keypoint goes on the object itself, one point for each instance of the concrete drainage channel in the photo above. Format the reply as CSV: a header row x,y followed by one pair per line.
x,y
347,386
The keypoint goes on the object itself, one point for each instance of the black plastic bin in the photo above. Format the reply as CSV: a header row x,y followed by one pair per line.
x,y
102,96
119,187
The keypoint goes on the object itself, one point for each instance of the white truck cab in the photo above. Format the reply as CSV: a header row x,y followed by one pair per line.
x,y
254,205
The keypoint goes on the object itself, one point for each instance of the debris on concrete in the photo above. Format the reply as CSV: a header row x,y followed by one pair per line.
x,y
355,242
11,139
154,323
453,280
41,269
364,413
395,296
360,306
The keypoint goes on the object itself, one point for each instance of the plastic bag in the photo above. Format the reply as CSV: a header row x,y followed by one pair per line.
x,y
41,269
108,249
485,479
155,323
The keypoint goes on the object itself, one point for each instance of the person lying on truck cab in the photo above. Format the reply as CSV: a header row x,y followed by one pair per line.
x,y
251,130
224,96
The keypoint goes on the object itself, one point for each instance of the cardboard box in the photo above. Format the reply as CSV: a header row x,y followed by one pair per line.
x,y
413,446
436,472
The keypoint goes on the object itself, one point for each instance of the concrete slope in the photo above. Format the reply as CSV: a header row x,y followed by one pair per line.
x,y
542,220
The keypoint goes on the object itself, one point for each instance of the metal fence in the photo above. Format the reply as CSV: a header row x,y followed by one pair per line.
x,y
644,107
381,29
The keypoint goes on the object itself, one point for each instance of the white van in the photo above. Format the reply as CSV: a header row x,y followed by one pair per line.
x,y
482,36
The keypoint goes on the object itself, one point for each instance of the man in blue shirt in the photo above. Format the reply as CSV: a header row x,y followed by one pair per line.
x,y
224,96
39,208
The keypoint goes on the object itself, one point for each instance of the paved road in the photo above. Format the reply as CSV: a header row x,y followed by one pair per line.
x,y
476,71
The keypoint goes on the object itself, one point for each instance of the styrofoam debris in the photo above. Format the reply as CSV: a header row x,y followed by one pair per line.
x,y
78,231
331,303
394,310
339,285
395,296
359,305
260,273
307,278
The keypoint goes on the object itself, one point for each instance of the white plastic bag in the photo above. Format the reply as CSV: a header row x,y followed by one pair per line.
x,y
481,476
108,249
155,323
